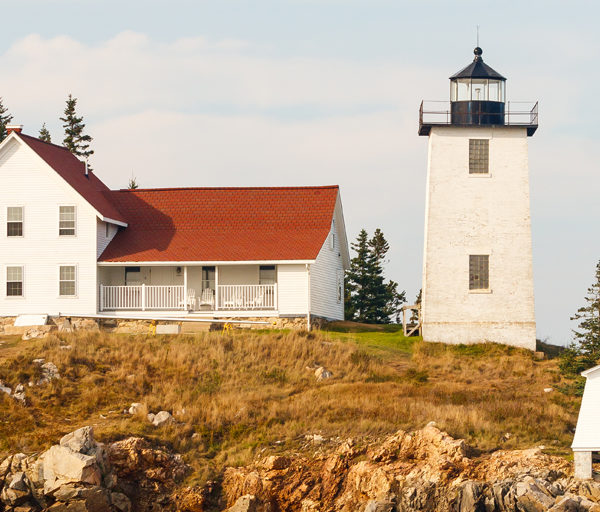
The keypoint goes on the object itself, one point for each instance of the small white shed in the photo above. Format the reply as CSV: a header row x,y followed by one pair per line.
x,y
587,433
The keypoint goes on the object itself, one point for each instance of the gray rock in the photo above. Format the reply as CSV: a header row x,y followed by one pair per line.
x,y
61,465
49,373
322,374
19,482
5,389
135,407
471,497
162,418
379,506
246,503
81,440
533,497
120,501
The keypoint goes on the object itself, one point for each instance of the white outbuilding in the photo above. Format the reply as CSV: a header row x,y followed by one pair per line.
x,y
587,433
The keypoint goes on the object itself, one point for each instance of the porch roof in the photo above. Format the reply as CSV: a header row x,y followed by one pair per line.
x,y
221,224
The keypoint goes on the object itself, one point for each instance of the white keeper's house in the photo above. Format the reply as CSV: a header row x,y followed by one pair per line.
x,y
70,245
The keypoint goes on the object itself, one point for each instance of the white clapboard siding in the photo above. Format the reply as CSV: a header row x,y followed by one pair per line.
x,y
327,272
102,240
29,182
292,285
587,433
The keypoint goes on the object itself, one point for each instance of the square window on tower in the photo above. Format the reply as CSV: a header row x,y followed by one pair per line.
x,y
479,272
479,156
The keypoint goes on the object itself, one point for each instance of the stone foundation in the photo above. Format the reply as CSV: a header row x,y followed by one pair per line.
x,y
126,326
583,465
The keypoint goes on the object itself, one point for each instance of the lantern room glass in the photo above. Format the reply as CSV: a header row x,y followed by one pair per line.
x,y
477,89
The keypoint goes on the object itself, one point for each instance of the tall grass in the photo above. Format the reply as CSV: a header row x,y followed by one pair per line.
x,y
240,395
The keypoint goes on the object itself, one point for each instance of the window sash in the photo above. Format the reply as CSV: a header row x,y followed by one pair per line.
x,y
14,281
267,274
479,156
66,221
67,280
14,221
479,272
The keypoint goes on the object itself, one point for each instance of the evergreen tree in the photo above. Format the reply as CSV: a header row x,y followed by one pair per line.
x,y
5,119
357,279
587,337
368,298
413,316
584,351
132,183
44,134
75,140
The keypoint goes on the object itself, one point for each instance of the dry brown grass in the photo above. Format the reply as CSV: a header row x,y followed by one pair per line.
x,y
248,392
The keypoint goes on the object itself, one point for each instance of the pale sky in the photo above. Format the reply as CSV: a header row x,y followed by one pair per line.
x,y
310,92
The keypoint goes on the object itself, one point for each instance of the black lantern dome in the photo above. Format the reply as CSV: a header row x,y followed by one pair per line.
x,y
477,94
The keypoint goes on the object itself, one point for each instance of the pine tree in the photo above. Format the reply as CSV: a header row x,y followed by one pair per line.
x,y
132,183
5,119
357,279
75,140
584,351
587,336
44,134
368,298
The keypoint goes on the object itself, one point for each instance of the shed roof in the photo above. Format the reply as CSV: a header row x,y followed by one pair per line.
x,y
587,433
222,224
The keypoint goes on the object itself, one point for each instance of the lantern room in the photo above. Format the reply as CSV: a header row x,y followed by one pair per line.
x,y
477,94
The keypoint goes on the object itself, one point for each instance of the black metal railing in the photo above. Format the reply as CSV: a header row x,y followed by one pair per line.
x,y
440,113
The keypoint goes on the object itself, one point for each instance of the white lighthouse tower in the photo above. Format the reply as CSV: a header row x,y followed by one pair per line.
x,y
477,265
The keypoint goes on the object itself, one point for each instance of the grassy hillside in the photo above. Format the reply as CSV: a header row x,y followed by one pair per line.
x,y
239,395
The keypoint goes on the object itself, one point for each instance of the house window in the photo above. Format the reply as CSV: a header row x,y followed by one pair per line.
x,y
479,272
479,156
66,226
266,274
67,280
14,281
14,221
107,230
332,241
340,287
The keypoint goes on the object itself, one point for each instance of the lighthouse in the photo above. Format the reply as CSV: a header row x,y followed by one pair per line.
x,y
477,262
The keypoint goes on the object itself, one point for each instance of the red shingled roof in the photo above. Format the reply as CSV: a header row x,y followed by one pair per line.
x,y
222,224
72,170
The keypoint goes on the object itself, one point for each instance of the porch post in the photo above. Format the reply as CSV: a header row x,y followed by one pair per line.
x,y
185,288
101,297
143,296
216,287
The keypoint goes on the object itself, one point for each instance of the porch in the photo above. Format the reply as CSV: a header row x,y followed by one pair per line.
x,y
188,288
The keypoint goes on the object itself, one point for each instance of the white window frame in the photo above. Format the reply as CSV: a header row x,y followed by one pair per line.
x,y
74,265
74,221
107,230
489,273
261,278
487,174
339,287
22,222
6,281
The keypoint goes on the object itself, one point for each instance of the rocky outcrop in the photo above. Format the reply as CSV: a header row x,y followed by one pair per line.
x,y
426,470
82,475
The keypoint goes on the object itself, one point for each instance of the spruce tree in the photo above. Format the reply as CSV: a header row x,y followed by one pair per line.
x,y
132,183
44,134
5,119
75,140
357,279
368,298
587,336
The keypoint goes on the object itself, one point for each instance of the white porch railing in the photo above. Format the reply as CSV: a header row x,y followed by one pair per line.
x,y
228,297
247,296
142,297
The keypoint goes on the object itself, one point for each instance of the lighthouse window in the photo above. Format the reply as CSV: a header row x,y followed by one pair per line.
x,y
479,151
479,272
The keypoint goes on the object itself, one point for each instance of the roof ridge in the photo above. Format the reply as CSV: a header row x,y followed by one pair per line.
x,y
162,189
48,143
